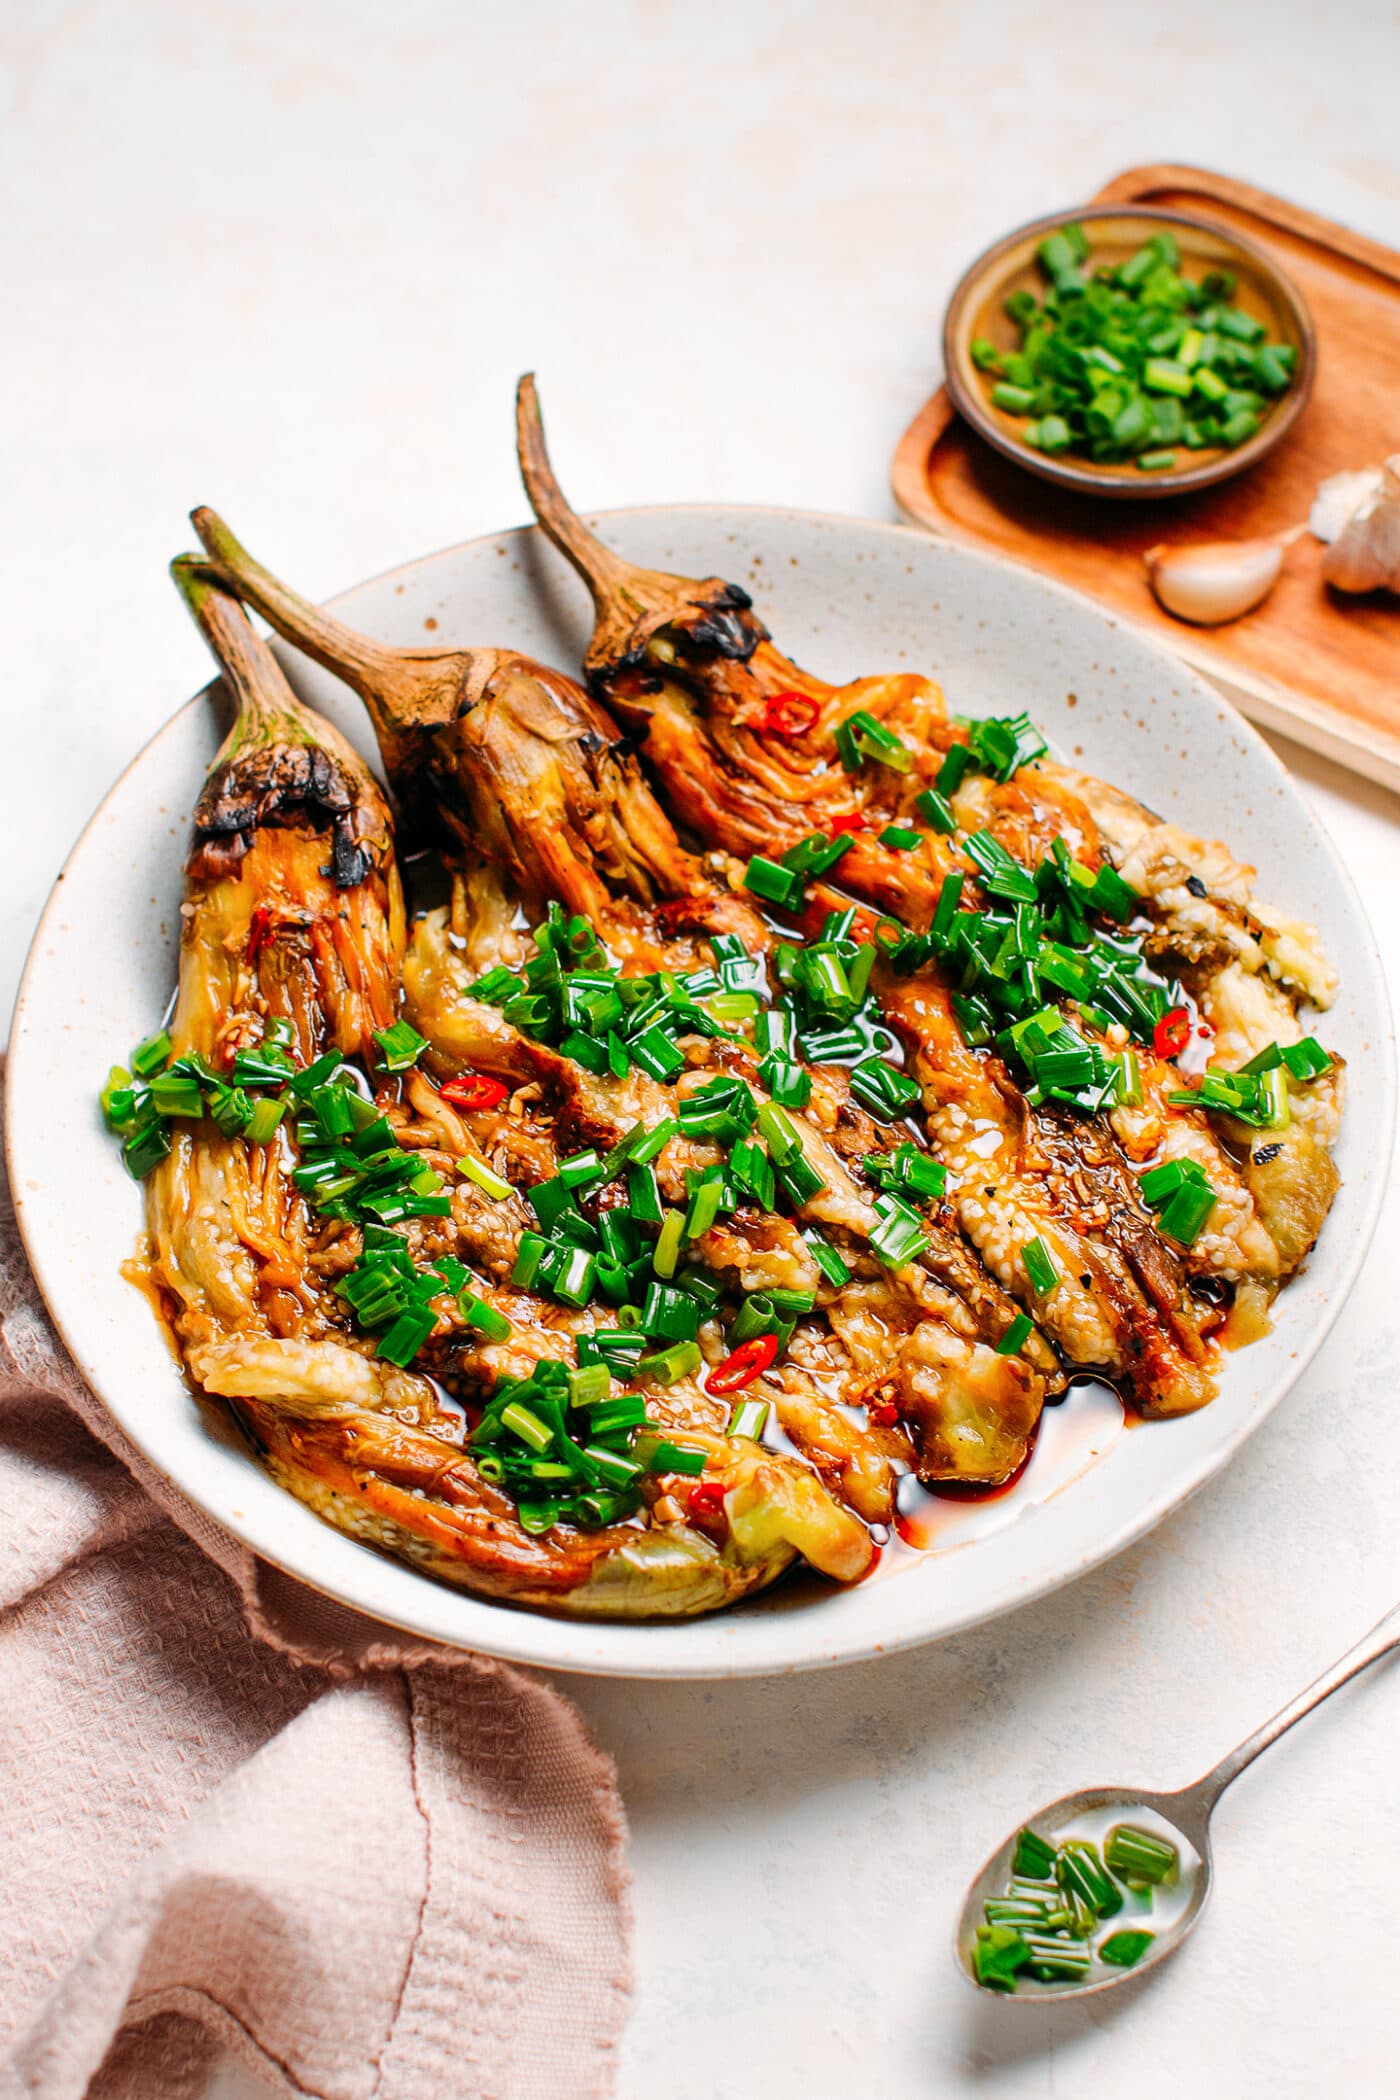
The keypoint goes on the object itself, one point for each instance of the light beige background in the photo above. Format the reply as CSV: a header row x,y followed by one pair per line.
x,y
288,259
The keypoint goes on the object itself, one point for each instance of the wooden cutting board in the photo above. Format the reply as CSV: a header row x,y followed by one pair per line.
x,y
1316,665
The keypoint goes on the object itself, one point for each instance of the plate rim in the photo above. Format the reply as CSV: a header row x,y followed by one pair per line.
x,y
526,1636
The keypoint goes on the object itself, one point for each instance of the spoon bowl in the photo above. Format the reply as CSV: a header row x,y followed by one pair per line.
x,y
1183,1819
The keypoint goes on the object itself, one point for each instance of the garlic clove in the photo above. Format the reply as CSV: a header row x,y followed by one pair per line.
x,y
1215,580
1365,556
1338,500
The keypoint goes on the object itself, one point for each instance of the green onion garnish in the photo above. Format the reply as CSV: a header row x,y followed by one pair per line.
x,y
669,1457
399,1046
1039,1264
861,737
1080,1872
749,1418
999,1952
150,1056
1124,1950
937,809
1034,1855
1137,1855
1015,1338
833,1268
772,882
666,1253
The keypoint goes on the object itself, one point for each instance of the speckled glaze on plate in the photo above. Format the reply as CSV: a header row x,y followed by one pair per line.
x,y
844,597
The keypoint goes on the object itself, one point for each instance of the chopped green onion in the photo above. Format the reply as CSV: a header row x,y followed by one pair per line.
x,y
666,1253
887,1093
861,737
1053,1957
1034,1855
900,838
786,1081
401,1343
670,1457
1140,1855
749,1418
1185,1215
959,760
175,1094
833,1268
772,882
529,1255
150,1056
146,1147
704,1208
262,1124
1015,1338
1124,1950
1080,1872
487,1319
817,853
1040,1268
670,1314
898,1237
399,1046
998,1954
1001,875
937,809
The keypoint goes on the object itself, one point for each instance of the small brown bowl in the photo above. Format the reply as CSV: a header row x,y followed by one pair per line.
x,y
1113,233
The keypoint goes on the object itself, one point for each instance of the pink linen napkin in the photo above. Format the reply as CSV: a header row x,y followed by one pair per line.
x,y
235,1814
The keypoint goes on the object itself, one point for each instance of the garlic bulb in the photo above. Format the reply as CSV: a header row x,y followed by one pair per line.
x,y
1216,580
1365,556
1338,499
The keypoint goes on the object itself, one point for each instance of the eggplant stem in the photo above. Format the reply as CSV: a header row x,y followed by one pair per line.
x,y
279,756
596,564
266,709
407,691
631,605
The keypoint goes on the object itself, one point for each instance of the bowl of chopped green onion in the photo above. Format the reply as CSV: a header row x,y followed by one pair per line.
x,y
1129,352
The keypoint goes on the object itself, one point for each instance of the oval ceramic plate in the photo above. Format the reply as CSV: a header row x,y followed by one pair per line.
x,y
844,597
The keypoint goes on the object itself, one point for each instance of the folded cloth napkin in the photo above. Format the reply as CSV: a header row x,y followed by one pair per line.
x,y
234,1814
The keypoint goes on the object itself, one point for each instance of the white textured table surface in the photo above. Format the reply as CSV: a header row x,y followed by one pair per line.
x,y
289,260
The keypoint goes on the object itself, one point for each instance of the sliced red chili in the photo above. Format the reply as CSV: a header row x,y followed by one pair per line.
x,y
789,714
856,821
749,1361
1172,1033
474,1090
885,1415
260,931
706,1499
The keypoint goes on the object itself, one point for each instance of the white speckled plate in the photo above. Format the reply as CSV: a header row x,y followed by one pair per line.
x,y
844,597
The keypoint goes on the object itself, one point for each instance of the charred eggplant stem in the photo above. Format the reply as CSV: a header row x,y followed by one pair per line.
x,y
278,766
515,760
631,604
410,693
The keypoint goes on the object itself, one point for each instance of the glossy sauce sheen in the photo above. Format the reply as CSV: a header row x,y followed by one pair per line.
x,y
1072,1436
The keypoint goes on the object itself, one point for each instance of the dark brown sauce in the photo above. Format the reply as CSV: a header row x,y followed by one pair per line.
x,y
1068,1440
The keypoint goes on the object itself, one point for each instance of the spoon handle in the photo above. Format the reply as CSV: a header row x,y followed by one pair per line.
x,y
1378,1642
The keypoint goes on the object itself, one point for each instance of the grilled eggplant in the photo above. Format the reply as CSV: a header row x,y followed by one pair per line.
x,y
710,700
555,804
293,912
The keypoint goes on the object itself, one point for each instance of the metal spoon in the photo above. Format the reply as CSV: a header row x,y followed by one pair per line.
x,y
1187,1814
